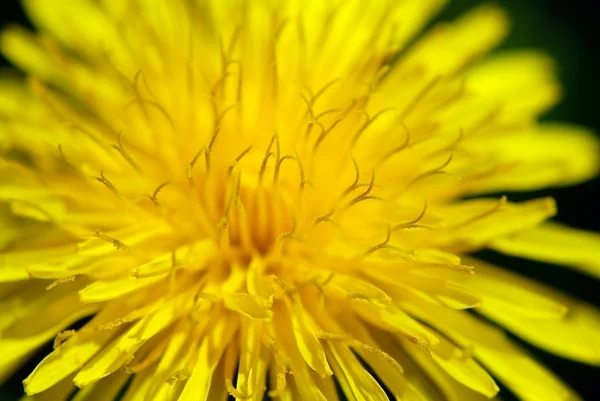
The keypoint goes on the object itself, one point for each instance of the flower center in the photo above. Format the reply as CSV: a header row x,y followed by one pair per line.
x,y
257,218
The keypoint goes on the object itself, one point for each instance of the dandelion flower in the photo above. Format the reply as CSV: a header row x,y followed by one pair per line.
x,y
279,198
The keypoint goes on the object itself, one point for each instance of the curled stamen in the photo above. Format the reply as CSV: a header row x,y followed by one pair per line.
x,y
365,195
413,223
154,195
278,167
382,244
327,131
302,173
435,171
216,132
400,148
312,122
238,159
330,111
191,166
218,122
352,186
461,136
321,91
138,75
321,219
370,120
263,167
452,146
156,105
220,82
119,147
102,179
309,108
275,140
318,285
224,221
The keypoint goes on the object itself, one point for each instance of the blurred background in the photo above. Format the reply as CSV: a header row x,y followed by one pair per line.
x,y
567,30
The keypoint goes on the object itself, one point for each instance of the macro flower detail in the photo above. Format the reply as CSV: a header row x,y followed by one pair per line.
x,y
202,199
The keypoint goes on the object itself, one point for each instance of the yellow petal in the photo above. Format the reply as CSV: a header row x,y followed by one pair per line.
x,y
122,349
23,49
555,243
327,387
25,335
247,305
349,287
573,335
523,81
101,291
182,345
286,343
59,392
395,319
413,16
138,389
107,389
107,361
250,350
387,369
71,356
506,360
454,294
463,368
79,24
452,385
198,385
476,222
16,101
308,343
14,265
442,52
18,300
530,159
420,387
512,294
356,380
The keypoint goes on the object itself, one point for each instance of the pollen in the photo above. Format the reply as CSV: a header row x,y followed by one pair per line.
x,y
209,199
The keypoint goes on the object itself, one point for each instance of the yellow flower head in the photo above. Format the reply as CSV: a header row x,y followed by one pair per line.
x,y
279,197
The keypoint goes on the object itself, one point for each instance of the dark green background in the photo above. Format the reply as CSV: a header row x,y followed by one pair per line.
x,y
567,30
